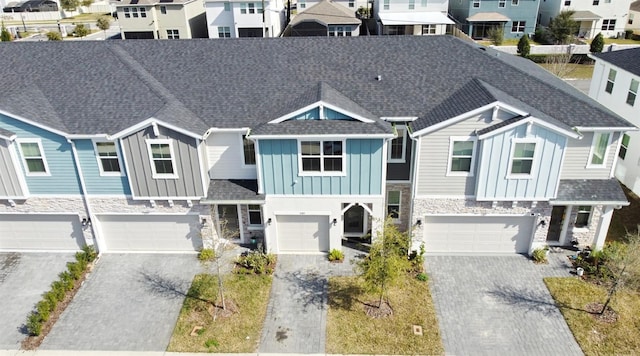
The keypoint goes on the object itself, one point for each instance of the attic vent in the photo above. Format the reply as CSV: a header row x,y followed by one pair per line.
x,y
379,78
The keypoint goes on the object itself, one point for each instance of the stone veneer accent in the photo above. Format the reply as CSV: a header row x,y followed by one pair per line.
x,y
405,202
249,233
584,235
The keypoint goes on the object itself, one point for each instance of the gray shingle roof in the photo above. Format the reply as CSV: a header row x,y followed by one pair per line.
x,y
591,191
500,124
6,133
233,190
106,86
627,59
328,13
322,127
635,6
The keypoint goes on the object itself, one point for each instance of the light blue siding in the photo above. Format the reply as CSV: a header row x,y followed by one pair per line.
x,y
94,182
279,162
314,114
492,182
334,115
58,154
525,10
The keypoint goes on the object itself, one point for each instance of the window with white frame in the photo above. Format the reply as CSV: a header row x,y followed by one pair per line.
x,y
608,24
624,146
255,215
518,26
515,2
162,158
461,156
385,4
398,146
339,31
412,4
135,12
476,3
423,3
393,204
322,156
249,151
630,20
611,80
173,34
567,3
429,29
633,92
227,6
252,7
352,3
522,157
302,4
502,3
224,32
598,155
108,161
163,10
33,157
583,215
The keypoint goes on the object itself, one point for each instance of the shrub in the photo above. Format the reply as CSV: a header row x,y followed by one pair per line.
x,y
597,44
524,48
75,269
67,280
211,342
54,36
34,324
50,298
628,34
43,309
542,36
496,35
58,290
539,255
422,277
417,259
256,262
336,255
89,253
206,254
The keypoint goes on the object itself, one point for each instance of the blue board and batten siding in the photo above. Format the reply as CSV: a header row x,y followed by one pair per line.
x,y
279,163
493,182
94,182
63,178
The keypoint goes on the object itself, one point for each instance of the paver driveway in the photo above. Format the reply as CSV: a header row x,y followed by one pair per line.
x,y
497,305
129,302
23,279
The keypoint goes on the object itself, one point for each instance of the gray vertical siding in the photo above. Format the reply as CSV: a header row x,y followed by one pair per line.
x,y
9,183
577,156
187,165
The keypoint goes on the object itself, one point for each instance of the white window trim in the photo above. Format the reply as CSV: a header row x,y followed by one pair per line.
x,y
398,220
249,224
453,139
156,175
592,149
243,157
536,154
586,226
402,159
46,172
322,172
99,159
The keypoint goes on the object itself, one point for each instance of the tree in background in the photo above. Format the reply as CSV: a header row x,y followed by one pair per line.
x,y
54,36
103,23
496,35
623,265
563,27
69,5
523,46
597,44
5,35
80,30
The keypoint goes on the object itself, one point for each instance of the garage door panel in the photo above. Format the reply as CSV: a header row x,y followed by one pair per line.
x,y
303,233
40,232
151,232
477,234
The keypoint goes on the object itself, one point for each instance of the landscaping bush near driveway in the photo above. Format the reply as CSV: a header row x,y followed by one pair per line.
x,y
598,336
203,327
351,331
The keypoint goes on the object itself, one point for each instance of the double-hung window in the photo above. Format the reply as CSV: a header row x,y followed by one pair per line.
x,y
515,2
249,151
302,4
502,3
611,80
398,146
633,92
608,25
476,3
162,159
518,26
224,32
598,154
322,157
461,156
624,146
107,154
173,34
33,157
393,204
163,10
385,4
429,29
255,215
595,2
522,157
582,216
412,4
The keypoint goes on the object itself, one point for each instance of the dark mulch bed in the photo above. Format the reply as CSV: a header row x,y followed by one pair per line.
x,y
609,316
373,311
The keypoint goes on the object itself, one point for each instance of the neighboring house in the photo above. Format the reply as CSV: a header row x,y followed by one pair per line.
x,y
161,19
515,17
593,16
401,17
615,84
230,19
325,18
32,6
633,23
290,142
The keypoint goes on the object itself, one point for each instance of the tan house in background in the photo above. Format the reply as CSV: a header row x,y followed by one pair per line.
x,y
161,19
633,23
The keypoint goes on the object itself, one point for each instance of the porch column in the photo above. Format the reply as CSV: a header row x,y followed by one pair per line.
x,y
377,220
565,224
603,228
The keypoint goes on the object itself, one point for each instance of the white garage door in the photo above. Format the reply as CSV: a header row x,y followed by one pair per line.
x,y
40,232
303,233
477,234
150,232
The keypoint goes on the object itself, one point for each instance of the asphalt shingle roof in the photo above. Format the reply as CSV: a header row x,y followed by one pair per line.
x,y
322,127
627,59
91,87
233,190
6,133
328,13
499,125
591,191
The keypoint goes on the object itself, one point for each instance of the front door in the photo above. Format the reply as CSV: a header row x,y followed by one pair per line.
x,y
555,225
354,221
228,220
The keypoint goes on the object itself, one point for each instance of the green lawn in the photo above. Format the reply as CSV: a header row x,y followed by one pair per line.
x,y
574,70
351,331
238,333
508,42
596,337
84,18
